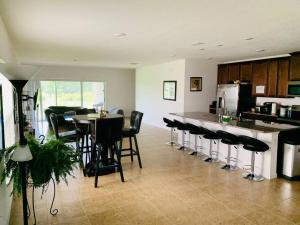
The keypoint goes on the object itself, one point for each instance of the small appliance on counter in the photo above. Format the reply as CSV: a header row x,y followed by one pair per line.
x,y
266,108
283,111
295,112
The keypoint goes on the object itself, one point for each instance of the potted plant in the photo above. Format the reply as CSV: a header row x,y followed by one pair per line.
x,y
54,159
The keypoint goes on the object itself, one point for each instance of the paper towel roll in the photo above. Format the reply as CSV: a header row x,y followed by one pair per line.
x,y
273,111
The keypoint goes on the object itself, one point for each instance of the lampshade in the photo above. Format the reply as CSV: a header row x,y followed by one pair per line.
x,y
22,154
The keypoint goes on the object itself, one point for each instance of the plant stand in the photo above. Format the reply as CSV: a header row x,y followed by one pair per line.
x,y
52,211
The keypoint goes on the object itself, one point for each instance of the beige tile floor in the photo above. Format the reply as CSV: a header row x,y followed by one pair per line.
x,y
173,188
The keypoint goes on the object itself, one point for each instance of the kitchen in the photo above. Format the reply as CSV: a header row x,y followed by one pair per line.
x,y
263,93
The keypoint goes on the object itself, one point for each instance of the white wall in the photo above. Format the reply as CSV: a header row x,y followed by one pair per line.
x,y
199,101
149,91
119,83
149,88
6,52
9,133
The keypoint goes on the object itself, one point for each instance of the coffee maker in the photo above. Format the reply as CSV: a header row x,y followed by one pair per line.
x,y
266,108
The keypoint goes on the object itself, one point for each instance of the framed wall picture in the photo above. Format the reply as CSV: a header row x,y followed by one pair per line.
x,y
169,90
195,83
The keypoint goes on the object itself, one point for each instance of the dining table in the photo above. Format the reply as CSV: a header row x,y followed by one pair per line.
x,y
89,120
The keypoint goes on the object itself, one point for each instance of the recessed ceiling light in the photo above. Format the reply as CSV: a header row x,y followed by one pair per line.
x,y
260,50
198,43
249,39
120,34
134,63
220,45
202,49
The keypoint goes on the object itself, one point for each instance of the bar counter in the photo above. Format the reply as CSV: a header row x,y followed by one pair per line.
x,y
254,125
265,163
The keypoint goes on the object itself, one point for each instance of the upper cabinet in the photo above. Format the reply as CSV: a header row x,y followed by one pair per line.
x,y
295,66
233,72
272,78
269,77
246,71
283,76
260,78
223,74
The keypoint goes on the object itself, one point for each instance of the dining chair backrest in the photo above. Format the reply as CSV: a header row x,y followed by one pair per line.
x,y
108,131
136,120
54,123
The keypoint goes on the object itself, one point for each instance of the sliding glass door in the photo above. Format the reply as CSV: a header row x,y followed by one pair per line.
x,y
71,93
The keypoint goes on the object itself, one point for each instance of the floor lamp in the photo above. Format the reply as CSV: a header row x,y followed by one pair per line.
x,y
22,154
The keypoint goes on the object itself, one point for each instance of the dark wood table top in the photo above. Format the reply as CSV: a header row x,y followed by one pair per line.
x,y
94,116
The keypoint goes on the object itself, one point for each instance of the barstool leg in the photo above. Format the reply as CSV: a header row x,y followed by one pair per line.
x,y
182,146
251,175
171,142
209,159
227,165
193,152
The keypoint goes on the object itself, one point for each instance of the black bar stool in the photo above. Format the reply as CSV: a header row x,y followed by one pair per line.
x,y
254,145
230,140
184,128
197,132
212,137
132,132
170,124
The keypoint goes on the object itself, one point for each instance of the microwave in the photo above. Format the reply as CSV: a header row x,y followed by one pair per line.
x,y
293,88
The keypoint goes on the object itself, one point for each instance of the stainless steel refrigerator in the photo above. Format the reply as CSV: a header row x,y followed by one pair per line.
x,y
233,99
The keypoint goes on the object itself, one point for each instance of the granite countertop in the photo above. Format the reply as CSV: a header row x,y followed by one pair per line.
x,y
273,118
255,125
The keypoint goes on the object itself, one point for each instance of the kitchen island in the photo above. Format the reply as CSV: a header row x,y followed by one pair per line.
x,y
265,163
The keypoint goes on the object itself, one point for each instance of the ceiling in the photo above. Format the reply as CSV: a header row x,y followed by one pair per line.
x,y
78,32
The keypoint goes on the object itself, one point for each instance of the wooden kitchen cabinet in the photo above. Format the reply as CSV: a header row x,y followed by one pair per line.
x,y
272,78
295,66
223,74
246,71
260,78
233,72
283,76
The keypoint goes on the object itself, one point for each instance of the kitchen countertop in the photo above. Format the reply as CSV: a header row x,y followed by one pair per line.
x,y
273,118
255,125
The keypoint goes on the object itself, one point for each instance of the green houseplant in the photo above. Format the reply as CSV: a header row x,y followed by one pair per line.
x,y
54,159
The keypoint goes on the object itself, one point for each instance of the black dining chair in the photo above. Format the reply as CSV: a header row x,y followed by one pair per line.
x,y
105,137
131,132
67,136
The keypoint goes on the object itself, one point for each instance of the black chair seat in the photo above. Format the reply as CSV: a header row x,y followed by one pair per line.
x,y
181,126
210,134
129,132
228,138
252,144
292,141
171,125
69,135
